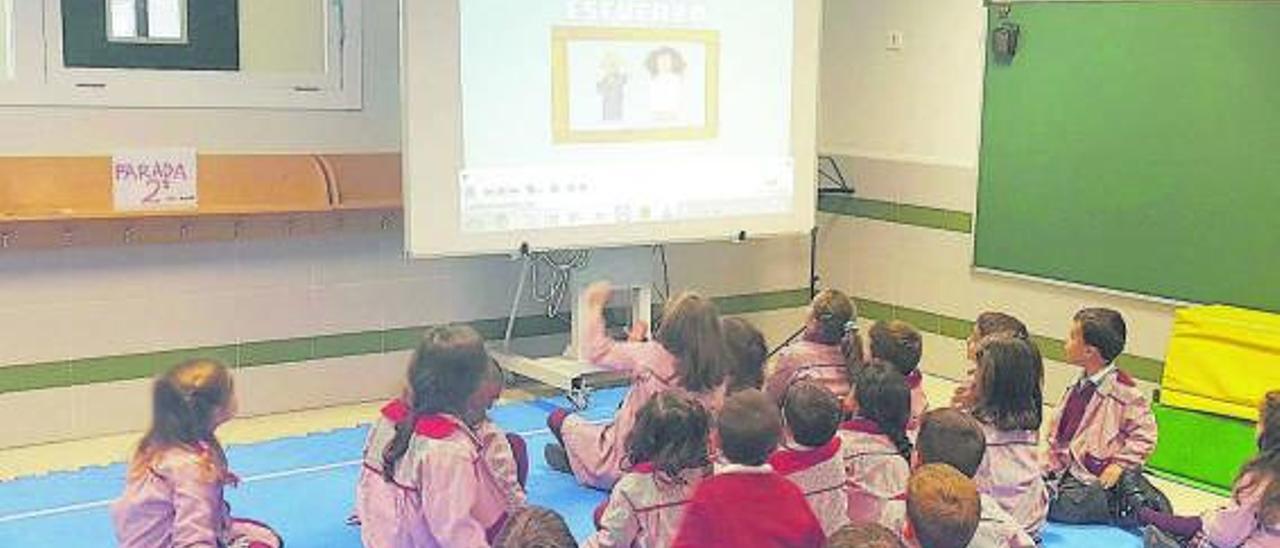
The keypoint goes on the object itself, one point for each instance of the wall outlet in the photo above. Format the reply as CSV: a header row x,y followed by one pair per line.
x,y
896,40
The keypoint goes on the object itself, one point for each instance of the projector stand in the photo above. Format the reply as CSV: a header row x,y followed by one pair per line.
x,y
835,185
570,373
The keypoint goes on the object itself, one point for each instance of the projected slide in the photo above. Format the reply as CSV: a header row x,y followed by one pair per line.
x,y
602,112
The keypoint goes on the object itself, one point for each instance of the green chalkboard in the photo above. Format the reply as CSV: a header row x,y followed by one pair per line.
x,y
1136,146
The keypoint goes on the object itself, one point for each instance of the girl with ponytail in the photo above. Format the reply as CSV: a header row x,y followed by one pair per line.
x,y
425,480
876,449
687,355
828,352
173,494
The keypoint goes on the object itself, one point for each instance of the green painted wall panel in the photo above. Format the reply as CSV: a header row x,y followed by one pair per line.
x,y
1132,146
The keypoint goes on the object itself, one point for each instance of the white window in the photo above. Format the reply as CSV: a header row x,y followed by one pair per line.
x,y
292,54
147,21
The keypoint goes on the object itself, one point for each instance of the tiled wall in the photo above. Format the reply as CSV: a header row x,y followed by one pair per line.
x,y
310,321
905,242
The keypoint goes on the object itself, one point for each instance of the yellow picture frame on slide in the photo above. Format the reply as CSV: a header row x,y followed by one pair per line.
x,y
563,133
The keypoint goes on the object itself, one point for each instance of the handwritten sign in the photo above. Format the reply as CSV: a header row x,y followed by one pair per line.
x,y
154,179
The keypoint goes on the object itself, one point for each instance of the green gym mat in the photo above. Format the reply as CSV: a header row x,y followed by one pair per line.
x,y
1203,449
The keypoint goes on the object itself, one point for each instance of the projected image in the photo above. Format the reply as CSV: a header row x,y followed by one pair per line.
x,y
625,115
634,85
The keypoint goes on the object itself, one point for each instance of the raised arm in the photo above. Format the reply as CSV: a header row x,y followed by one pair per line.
x,y
596,346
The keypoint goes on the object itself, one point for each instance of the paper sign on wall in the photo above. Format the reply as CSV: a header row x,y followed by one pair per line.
x,y
154,179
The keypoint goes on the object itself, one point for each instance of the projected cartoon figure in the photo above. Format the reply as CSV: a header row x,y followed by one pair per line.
x,y
612,87
666,84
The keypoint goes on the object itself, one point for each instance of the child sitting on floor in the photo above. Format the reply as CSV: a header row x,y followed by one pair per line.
x,y
1252,517
952,437
506,454
811,455
875,445
1008,404
746,503
1103,430
898,343
426,481
688,354
942,508
747,351
173,494
825,351
667,451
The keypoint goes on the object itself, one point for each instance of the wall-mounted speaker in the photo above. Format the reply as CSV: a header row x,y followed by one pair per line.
x,y
1004,41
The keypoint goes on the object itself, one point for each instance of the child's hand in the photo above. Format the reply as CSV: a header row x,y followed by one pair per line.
x,y
597,294
639,332
1110,476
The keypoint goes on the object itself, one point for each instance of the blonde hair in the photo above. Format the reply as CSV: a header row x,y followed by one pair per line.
x,y
943,506
185,403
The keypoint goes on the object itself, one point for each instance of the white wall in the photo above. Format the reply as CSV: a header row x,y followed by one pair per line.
x,y
906,125
920,102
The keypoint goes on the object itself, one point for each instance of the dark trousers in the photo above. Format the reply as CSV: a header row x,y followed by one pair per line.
x,y
1080,503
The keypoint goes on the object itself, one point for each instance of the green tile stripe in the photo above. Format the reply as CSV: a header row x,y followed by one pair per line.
x,y
892,212
1146,369
763,302
24,377
19,378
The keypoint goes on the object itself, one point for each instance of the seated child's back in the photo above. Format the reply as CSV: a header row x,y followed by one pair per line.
x,y
898,343
1007,402
811,455
748,353
424,481
668,455
952,437
827,348
687,353
173,494
874,441
746,503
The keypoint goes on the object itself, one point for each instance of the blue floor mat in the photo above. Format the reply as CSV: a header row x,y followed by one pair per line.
x,y
304,487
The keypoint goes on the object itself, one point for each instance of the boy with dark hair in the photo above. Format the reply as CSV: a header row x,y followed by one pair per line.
x,y
952,437
942,508
729,508
898,343
1102,432
811,455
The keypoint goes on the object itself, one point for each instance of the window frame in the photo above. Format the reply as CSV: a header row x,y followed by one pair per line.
x,y
26,71
41,78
